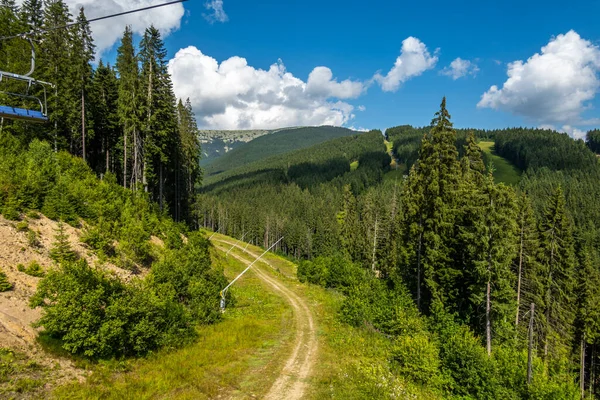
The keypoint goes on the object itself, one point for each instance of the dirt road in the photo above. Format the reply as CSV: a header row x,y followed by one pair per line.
x,y
292,381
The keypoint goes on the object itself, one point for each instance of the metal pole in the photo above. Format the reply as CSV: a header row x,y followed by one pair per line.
x,y
243,272
243,236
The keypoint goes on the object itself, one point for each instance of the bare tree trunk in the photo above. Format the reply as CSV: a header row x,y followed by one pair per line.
x,y
519,276
582,368
530,349
419,263
488,323
83,123
374,246
125,158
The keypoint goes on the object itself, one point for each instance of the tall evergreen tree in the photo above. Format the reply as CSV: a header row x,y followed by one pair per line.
x,y
555,279
82,54
159,113
129,108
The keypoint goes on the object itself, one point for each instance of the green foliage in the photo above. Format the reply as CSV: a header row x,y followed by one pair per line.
x,y
22,226
334,272
417,358
32,238
592,139
61,249
118,319
279,142
32,269
5,285
11,209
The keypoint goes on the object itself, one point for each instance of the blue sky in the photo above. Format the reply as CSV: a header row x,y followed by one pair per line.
x,y
356,39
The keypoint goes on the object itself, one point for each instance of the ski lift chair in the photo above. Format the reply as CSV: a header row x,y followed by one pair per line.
x,y
26,113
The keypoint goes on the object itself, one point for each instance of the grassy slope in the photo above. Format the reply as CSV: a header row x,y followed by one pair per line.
x,y
504,171
240,357
280,142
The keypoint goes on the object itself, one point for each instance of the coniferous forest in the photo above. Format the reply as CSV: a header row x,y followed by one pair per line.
x,y
122,119
479,289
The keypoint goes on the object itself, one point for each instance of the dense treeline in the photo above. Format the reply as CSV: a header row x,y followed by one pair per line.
x,y
120,319
122,119
297,195
593,140
445,262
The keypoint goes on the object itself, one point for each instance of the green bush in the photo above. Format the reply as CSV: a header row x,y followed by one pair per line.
x,y
22,226
98,316
33,214
5,285
417,358
61,250
33,269
11,209
333,272
32,239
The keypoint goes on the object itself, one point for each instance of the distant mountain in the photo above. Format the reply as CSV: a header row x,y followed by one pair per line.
x,y
241,151
218,143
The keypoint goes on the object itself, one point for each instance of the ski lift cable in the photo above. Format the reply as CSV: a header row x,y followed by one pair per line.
x,y
222,293
25,34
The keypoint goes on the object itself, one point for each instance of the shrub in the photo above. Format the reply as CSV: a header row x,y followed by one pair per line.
x,y
33,214
417,358
22,226
5,285
11,209
33,269
32,239
98,316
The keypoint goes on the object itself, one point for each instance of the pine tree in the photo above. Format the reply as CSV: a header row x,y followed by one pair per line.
x,y
129,108
527,254
55,66
160,119
104,155
188,170
5,285
32,14
82,54
61,251
555,279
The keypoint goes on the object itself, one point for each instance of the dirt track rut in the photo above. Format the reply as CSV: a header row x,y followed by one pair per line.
x,y
292,381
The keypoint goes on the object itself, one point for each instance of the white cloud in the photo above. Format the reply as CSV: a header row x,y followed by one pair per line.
x,y
235,95
216,11
551,87
359,129
362,108
108,32
414,59
570,130
459,68
321,84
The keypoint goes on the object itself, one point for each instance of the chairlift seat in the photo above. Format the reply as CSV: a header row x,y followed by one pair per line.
x,y
22,114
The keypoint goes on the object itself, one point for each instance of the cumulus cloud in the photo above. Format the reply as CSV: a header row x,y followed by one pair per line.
x,y
108,32
414,59
216,13
235,95
459,68
551,87
322,84
362,108
571,131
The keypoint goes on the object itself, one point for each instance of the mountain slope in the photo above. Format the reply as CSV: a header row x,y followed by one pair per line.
x,y
279,142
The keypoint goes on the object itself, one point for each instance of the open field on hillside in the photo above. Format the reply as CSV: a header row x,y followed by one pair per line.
x,y
504,171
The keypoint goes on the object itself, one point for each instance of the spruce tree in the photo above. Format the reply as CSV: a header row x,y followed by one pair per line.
x,y
61,250
129,109
5,285
82,54
555,278
160,119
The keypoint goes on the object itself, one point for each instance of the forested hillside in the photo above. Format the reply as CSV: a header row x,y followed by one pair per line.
x,y
278,142
123,119
445,262
217,143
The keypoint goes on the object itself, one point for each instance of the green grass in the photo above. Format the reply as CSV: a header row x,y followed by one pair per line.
x,y
504,171
236,357
19,376
241,356
280,142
